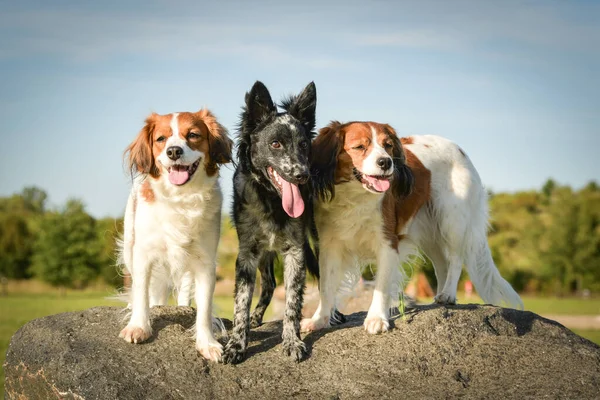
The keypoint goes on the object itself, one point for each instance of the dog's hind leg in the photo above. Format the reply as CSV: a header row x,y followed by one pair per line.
x,y
447,293
294,280
184,291
267,287
159,286
159,291
245,276
331,268
440,263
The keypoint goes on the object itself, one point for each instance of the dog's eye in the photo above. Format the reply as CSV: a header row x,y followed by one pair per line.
x,y
193,136
388,146
161,139
275,144
303,145
359,147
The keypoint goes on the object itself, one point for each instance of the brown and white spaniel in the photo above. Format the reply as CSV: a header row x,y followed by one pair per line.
x,y
381,199
173,219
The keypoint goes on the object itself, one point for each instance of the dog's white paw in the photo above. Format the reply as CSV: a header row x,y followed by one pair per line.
x,y
135,334
211,351
444,298
311,325
376,325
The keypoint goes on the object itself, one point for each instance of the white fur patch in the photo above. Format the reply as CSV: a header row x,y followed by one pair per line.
x,y
370,166
169,242
452,231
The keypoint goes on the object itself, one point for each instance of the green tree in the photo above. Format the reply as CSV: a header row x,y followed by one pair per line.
x,y
587,238
15,246
67,249
548,188
569,244
19,223
107,231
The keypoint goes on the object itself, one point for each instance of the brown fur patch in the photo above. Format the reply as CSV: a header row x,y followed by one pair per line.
x,y
146,192
357,139
406,140
140,152
213,141
397,213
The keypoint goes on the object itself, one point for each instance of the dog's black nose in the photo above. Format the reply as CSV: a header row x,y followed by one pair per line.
x,y
174,152
384,163
301,177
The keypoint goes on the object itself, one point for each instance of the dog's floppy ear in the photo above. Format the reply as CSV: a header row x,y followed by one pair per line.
x,y
303,107
139,152
259,103
219,143
403,180
325,151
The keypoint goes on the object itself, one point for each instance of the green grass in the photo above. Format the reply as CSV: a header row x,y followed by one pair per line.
x,y
545,305
592,336
17,309
562,306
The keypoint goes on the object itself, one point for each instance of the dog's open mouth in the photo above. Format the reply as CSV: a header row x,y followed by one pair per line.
x,y
291,199
181,174
373,183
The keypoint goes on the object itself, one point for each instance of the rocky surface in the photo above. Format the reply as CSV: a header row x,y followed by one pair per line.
x,y
464,351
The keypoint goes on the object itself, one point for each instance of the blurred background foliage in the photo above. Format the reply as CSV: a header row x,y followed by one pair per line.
x,y
543,241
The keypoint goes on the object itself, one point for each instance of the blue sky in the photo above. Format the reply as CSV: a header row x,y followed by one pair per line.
x,y
516,84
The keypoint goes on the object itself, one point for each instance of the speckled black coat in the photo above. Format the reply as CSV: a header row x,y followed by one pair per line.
x,y
263,227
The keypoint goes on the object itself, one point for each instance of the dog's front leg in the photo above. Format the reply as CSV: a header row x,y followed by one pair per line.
x,y
294,280
245,275
388,282
138,329
206,344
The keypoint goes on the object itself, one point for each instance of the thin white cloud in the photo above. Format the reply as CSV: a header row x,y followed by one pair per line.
x,y
86,37
460,25
413,39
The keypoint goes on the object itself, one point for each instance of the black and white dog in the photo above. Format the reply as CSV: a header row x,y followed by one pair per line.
x,y
273,211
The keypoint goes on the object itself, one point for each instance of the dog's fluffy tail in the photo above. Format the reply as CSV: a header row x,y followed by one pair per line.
x,y
124,248
460,211
488,282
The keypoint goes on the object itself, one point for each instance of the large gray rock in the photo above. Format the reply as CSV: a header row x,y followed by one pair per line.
x,y
434,352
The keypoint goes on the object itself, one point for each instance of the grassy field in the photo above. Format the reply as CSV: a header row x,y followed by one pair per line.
x,y
545,305
18,308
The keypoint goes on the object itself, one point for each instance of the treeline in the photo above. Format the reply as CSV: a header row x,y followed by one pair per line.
x,y
67,247
548,240
545,241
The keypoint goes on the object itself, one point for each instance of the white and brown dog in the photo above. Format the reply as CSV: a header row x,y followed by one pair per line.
x,y
382,199
173,219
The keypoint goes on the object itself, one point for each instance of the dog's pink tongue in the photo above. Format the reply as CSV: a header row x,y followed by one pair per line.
x,y
381,185
291,199
178,176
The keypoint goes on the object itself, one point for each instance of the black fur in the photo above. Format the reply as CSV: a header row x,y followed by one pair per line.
x,y
263,226
403,180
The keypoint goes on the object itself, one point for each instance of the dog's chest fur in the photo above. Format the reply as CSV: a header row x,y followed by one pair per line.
x,y
176,224
261,213
352,222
